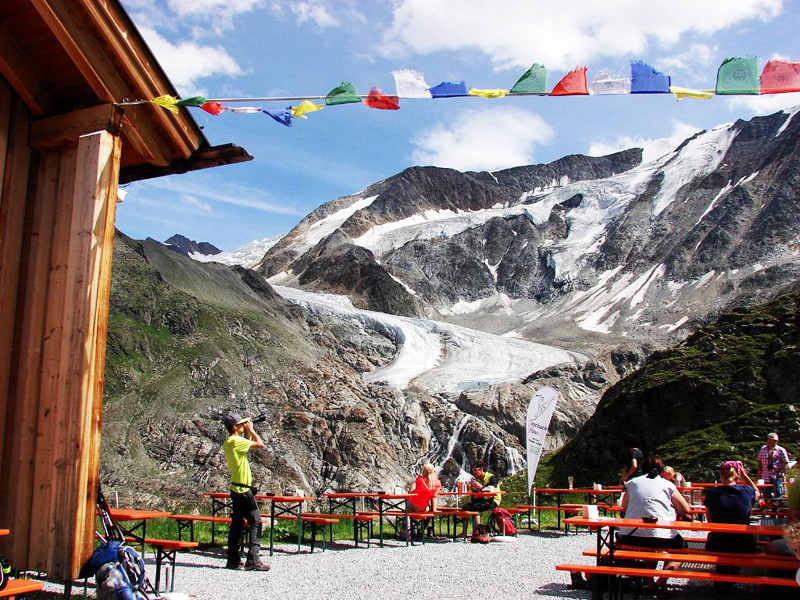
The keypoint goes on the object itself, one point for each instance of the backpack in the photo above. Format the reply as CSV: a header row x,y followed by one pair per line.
x,y
119,571
504,522
480,535
5,572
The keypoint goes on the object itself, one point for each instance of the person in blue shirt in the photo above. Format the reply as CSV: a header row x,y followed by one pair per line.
x,y
731,502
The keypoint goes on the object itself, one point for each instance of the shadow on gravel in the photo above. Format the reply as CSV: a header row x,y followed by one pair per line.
x,y
562,590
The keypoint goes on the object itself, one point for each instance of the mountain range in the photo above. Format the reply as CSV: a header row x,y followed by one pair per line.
x,y
413,321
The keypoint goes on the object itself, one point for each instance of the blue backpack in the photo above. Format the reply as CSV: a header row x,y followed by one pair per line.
x,y
119,571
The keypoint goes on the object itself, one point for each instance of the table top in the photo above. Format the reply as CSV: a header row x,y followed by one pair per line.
x,y
277,498
4,531
473,494
133,514
351,495
678,525
605,490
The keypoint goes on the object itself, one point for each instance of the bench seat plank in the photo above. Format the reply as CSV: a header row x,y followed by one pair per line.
x,y
697,575
20,586
761,561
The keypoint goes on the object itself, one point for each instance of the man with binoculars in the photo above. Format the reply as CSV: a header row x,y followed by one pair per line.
x,y
242,437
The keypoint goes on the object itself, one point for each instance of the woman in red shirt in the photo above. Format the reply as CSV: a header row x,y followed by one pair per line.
x,y
425,490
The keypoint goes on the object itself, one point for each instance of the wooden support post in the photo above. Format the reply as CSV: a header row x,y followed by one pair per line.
x,y
52,432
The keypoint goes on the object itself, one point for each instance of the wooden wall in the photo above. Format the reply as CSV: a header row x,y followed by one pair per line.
x,y
56,233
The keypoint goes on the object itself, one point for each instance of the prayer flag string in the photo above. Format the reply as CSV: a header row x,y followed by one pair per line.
x,y
735,76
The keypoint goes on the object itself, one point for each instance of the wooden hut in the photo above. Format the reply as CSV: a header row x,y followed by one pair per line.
x,y
65,144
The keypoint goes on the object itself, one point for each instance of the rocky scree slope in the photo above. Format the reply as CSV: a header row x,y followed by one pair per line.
x,y
712,398
189,342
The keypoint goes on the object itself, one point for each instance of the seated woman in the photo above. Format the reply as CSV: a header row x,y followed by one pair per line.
x,y
653,496
731,502
426,492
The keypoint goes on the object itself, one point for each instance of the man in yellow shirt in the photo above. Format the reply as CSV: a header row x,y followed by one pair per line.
x,y
242,437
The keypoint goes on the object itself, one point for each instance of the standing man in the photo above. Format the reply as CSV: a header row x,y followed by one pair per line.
x,y
242,437
483,482
772,461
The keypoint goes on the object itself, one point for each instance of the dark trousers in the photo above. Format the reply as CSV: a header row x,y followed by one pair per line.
x,y
245,508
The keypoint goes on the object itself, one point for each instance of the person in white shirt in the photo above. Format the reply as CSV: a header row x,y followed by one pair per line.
x,y
653,497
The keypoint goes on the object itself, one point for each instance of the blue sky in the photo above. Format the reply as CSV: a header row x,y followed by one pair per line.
x,y
254,48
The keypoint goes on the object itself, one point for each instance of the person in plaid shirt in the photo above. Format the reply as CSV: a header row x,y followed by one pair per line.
x,y
772,461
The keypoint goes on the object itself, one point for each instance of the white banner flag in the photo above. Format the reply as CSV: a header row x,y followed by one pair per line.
x,y
540,411
411,84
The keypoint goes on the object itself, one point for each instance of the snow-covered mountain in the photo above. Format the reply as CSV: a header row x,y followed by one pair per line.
x,y
584,250
247,256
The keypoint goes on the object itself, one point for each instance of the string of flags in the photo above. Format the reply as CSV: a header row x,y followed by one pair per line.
x,y
735,76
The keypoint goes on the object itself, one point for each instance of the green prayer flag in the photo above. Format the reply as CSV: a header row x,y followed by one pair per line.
x,y
344,94
738,76
193,101
534,81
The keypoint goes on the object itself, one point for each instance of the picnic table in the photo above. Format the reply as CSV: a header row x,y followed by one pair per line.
x,y
607,495
284,507
137,531
348,500
606,527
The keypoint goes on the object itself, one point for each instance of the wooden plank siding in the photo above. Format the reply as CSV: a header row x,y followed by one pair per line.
x,y
59,205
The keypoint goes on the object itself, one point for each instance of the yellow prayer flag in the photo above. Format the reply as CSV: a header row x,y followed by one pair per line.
x,y
168,102
305,107
487,93
682,92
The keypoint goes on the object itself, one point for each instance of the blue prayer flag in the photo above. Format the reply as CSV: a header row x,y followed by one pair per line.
x,y
447,89
283,116
646,80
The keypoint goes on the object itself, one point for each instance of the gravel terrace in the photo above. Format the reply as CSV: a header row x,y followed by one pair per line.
x,y
437,570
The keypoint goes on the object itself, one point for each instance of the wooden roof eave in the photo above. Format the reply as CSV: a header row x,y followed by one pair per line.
x,y
76,23
203,158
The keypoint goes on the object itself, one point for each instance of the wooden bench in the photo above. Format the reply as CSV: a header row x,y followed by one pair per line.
x,y
758,561
565,508
363,524
693,575
416,517
166,550
317,523
693,551
18,587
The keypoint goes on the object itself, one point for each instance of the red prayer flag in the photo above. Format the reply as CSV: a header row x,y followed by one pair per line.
x,y
779,77
573,84
213,108
379,100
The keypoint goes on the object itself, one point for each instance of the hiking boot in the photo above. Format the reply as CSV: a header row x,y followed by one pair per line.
x,y
257,567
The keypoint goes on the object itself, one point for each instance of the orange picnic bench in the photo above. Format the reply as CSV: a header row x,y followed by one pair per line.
x,y
166,552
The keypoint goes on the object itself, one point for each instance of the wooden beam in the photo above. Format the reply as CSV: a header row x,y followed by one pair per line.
x,y
57,131
51,402
13,195
21,415
205,158
19,72
95,195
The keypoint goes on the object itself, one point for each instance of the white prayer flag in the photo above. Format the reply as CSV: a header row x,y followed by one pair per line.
x,y
604,83
410,84
540,411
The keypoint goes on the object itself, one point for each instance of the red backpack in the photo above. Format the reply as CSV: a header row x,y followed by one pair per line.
x,y
504,522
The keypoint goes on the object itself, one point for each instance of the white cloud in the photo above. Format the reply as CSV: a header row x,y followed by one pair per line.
x,y
559,33
186,62
226,193
763,105
211,8
697,55
314,12
653,148
199,205
483,140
